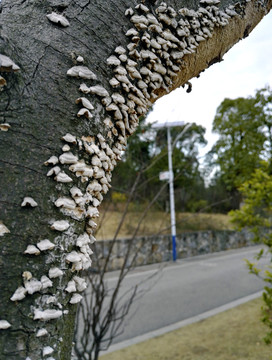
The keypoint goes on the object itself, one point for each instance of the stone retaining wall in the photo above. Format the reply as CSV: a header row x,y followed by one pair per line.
x,y
156,249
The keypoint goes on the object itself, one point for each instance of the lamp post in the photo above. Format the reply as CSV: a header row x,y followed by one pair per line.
x,y
168,125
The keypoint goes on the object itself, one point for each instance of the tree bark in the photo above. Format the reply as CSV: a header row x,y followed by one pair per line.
x,y
39,42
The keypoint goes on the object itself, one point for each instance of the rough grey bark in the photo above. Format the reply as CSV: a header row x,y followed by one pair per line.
x,y
170,43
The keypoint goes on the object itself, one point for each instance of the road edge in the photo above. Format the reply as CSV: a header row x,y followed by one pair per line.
x,y
182,323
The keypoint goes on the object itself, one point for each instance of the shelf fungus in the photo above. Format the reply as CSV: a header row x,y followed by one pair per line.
x,y
3,229
47,350
46,282
4,324
19,294
54,171
84,112
41,332
33,285
76,298
32,250
53,160
7,65
63,177
81,283
29,202
55,272
85,102
46,315
68,158
45,245
69,138
2,81
66,203
5,127
58,19
60,225
82,72
71,287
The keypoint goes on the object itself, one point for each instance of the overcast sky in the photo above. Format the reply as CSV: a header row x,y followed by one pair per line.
x,y
246,67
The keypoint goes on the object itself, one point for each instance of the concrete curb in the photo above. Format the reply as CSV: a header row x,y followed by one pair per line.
x,y
181,324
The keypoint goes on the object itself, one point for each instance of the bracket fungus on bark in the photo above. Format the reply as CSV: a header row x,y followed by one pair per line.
x,y
29,202
58,19
82,72
5,126
4,324
7,65
3,229
45,245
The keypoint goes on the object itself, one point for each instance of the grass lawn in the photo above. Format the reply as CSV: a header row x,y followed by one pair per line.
x,y
156,222
235,334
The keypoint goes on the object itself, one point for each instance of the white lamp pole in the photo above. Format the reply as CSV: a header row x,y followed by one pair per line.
x,y
168,125
172,195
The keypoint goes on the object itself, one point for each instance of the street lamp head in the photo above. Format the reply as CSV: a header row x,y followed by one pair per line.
x,y
168,124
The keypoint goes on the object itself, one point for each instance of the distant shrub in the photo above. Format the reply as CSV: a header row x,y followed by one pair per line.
x,y
118,197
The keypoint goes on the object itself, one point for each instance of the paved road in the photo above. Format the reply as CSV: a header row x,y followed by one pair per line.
x,y
187,288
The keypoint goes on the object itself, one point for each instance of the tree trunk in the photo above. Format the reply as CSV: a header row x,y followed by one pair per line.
x,y
44,115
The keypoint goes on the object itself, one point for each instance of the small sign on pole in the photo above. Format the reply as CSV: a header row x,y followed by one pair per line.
x,y
164,175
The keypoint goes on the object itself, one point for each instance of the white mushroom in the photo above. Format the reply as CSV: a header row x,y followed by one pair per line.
x,y
71,287
28,201
73,257
98,90
46,282
82,72
55,272
58,19
68,158
46,244
80,59
76,298
5,127
3,229
66,203
46,315
69,138
33,285
47,350
60,225
19,294
113,60
32,250
41,332
81,283
62,177
84,112
85,102
53,160
6,64
54,171
120,50
4,324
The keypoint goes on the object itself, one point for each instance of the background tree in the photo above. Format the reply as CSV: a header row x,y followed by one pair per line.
x,y
256,217
244,129
69,104
188,181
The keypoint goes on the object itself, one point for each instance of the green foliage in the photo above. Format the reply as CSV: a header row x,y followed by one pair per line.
x,y
244,127
256,216
147,154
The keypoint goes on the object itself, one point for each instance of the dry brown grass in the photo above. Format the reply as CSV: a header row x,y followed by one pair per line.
x,y
156,222
233,335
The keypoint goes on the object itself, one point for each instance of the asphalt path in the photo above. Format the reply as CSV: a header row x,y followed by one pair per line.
x,y
177,291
